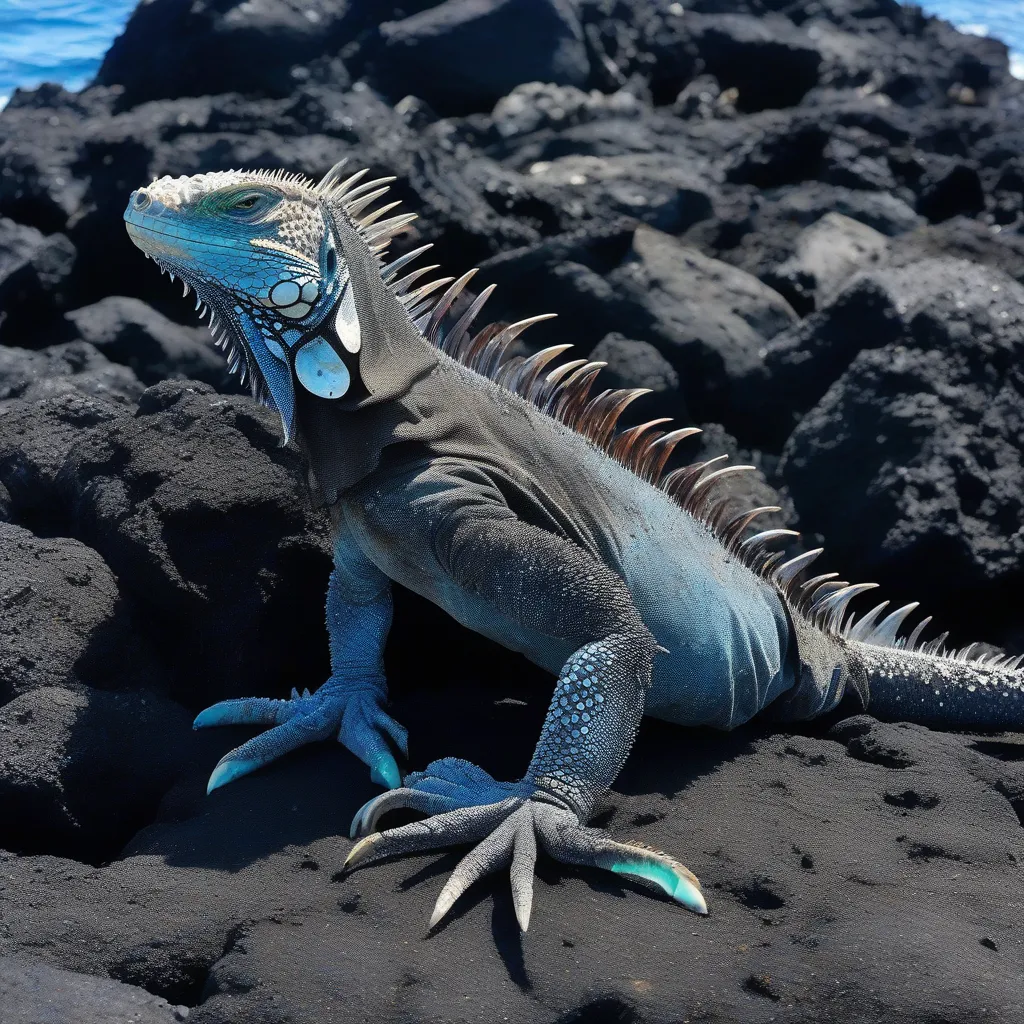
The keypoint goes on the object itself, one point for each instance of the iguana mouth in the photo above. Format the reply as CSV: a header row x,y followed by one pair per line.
x,y
141,230
151,240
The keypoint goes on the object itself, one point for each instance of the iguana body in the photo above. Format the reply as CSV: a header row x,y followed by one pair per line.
x,y
499,489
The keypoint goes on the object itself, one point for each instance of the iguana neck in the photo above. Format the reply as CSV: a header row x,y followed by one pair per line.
x,y
343,439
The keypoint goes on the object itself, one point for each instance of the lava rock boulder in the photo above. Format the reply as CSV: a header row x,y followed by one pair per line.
x,y
33,375
912,462
62,617
465,55
87,768
129,332
206,521
35,271
827,254
709,319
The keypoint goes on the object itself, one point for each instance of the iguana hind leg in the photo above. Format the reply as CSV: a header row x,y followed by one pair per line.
x,y
589,726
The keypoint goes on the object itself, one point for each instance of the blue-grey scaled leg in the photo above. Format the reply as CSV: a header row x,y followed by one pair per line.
x,y
544,581
350,705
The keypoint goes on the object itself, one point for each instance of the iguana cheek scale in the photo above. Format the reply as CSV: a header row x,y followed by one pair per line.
x,y
501,488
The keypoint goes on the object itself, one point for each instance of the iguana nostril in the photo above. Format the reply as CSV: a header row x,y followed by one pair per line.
x,y
141,199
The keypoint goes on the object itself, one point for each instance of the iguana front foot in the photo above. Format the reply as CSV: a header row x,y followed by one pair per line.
x,y
353,713
506,820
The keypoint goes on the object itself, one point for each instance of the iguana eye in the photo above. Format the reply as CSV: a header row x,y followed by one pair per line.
x,y
245,202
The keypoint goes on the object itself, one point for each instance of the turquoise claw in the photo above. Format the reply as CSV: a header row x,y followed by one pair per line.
x,y
228,771
211,716
680,888
245,711
385,773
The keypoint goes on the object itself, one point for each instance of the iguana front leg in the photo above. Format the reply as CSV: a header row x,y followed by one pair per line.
x,y
350,704
545,583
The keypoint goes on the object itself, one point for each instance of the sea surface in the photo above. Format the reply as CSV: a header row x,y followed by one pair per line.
x,y
64,40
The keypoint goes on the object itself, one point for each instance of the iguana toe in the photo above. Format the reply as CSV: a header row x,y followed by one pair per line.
x,y
385,772
228,771
595,848
465,825
513,844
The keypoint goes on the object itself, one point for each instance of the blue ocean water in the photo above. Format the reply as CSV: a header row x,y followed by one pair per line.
x,y
64,40
56,40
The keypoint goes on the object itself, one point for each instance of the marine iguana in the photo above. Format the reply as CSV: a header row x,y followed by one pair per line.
x,y
500,487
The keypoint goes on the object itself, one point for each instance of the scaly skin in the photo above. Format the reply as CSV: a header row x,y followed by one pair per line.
x,y
498,500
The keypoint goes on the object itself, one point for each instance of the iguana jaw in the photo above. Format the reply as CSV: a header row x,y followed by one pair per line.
x,y
149,231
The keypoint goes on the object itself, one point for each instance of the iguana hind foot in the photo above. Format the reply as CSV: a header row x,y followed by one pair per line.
x,y
507,832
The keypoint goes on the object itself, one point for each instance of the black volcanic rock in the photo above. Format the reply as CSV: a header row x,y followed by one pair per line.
x,y
34,272
709,319
36,435
33,991
151,490
781,150
153,494
32,375
88,768
919,305
827,254
61,614
650,188
464,55
534,106
226,46
921,437
957,191
129,332
962,238
770,61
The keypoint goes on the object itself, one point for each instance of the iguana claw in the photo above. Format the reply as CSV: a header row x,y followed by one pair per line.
x,y
507,833
354,715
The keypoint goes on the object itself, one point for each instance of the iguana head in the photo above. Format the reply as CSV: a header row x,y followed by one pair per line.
x,y
265,254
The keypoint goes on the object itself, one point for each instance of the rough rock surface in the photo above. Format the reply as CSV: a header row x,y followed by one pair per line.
x,y
33,375
204,520
63,761
710,320
34,272
800,223
36,993
827,254
60,613
465,55
129,332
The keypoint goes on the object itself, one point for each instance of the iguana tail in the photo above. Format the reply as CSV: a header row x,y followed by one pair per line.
x,y
951,691
898,677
